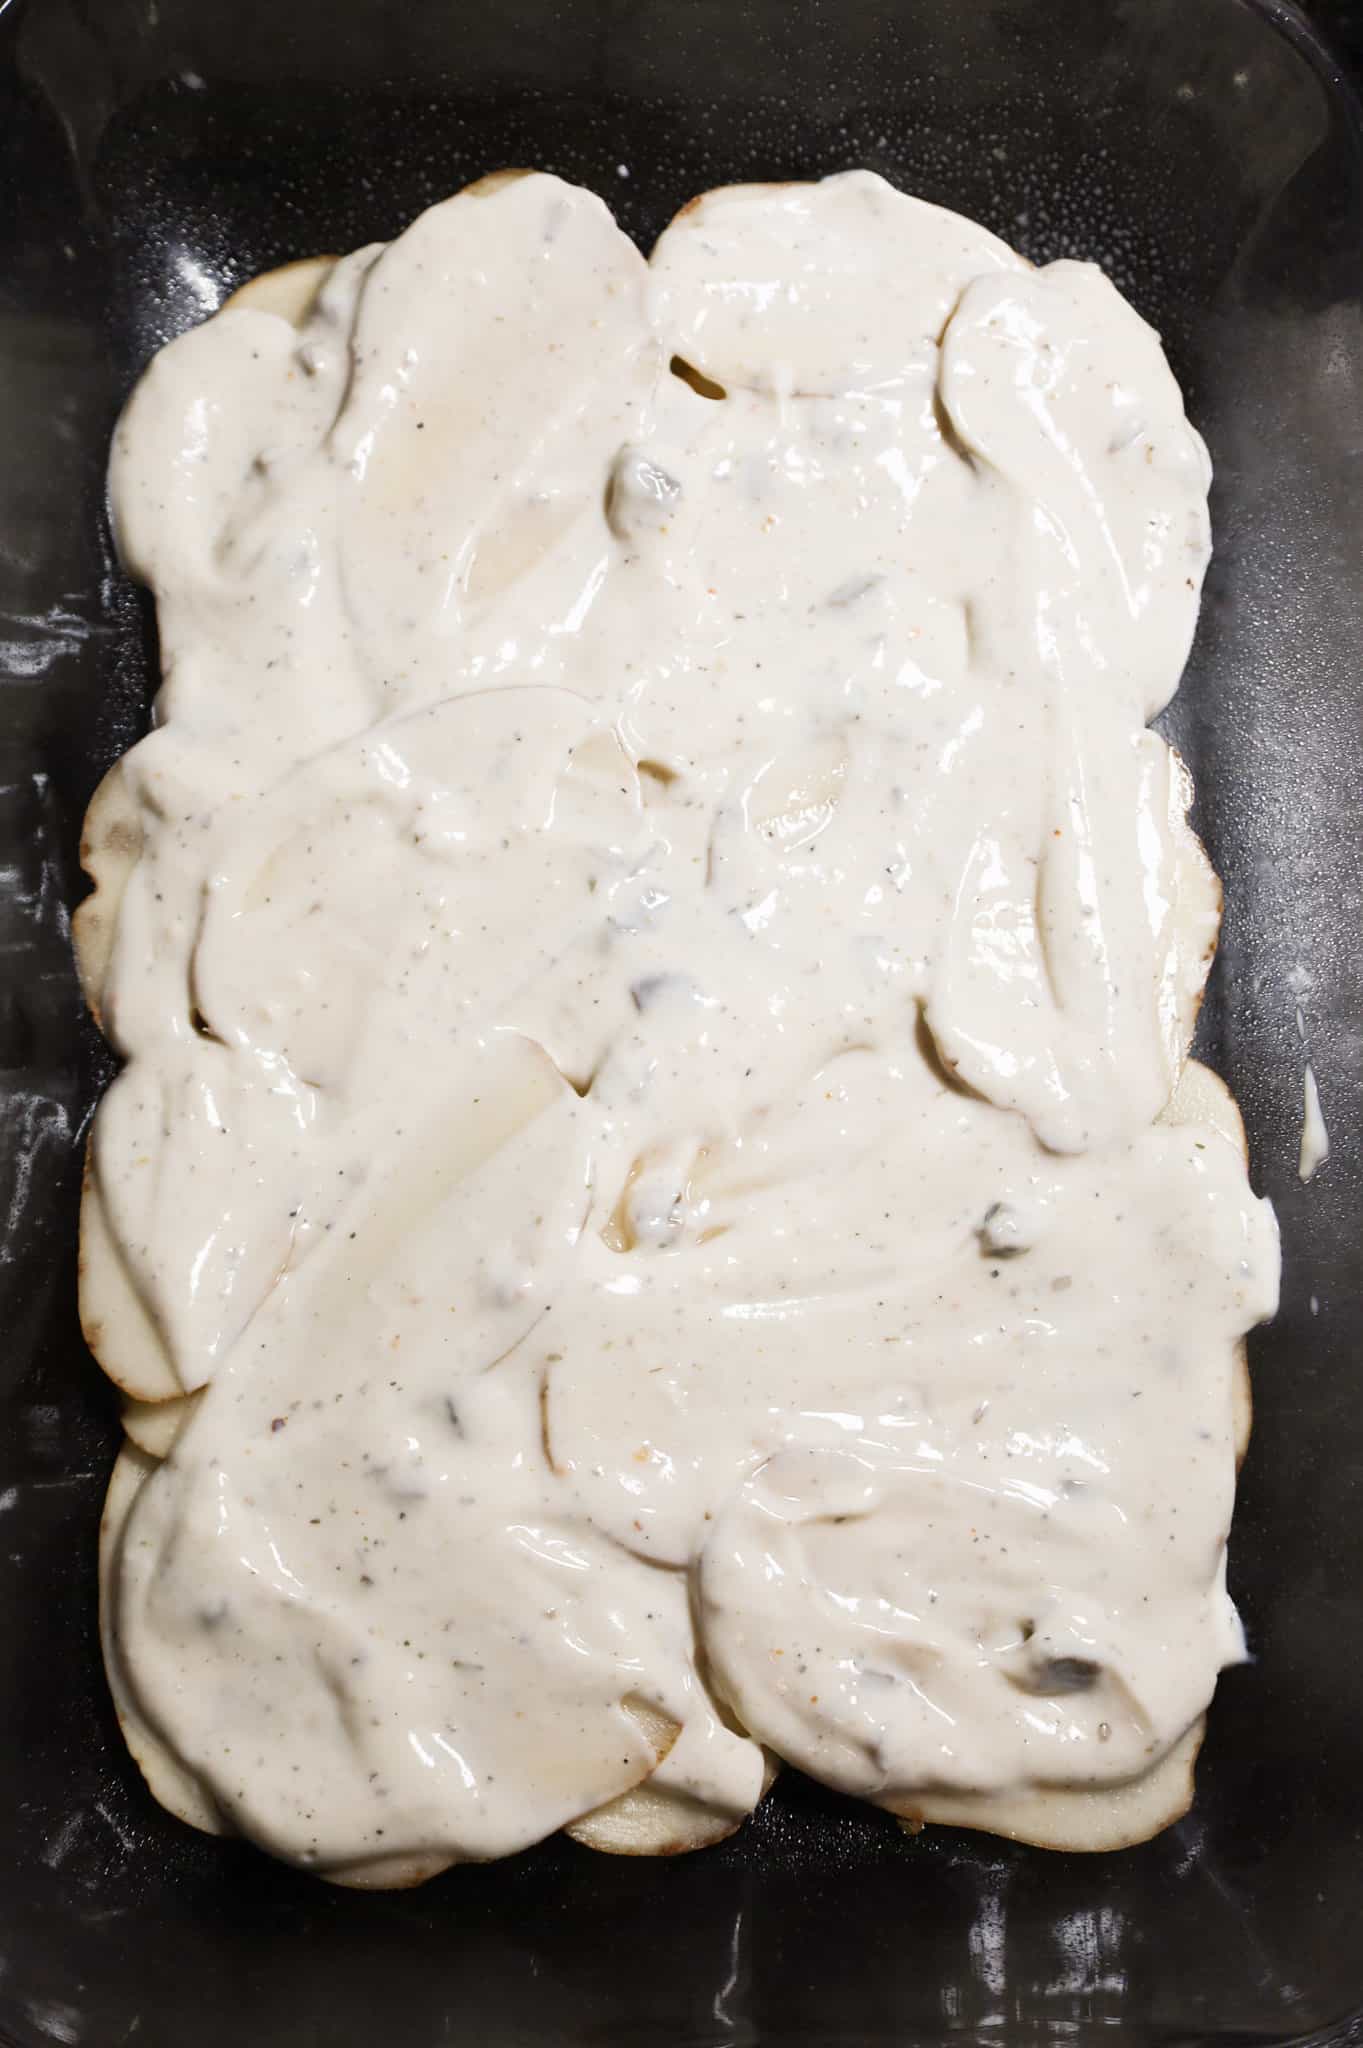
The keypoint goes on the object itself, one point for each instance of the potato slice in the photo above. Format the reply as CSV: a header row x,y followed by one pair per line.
x,y
174,1787
291,290
117,1328
1202,1097
111,845
646,1821
114,1319
657,1818
1110,1817
867,297
177,1789
1072,1817
153,1426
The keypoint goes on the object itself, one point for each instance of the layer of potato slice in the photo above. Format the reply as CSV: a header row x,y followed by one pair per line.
x,y
651,1819
648,1821
1109,1816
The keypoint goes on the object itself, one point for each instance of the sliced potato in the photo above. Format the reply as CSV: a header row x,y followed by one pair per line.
x,y
291,291
154,1425
1202,1097
645,1821
657,1818
1110,1817
1074,1817
176,1788
1197,915
114,1319
660,1820
110,848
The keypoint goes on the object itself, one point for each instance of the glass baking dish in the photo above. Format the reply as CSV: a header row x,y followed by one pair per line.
x,y
155,153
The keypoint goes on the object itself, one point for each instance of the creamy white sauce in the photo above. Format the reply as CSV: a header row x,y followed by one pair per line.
x,y
588,825
1315,1138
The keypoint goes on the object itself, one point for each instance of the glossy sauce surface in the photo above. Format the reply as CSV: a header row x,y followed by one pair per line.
x,y
659,941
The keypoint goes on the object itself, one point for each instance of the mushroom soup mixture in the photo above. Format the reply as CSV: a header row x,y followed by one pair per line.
x,y
656,1221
